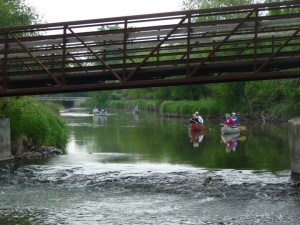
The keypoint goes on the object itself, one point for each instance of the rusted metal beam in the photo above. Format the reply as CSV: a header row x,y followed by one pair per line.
x,y
277,51
25,64
33,57
149,83
219,45
155,49
64,53
266,6
124,52
190,46
5,63
101,60
255,40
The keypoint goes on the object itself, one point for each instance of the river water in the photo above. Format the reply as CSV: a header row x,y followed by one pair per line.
x,y
142,169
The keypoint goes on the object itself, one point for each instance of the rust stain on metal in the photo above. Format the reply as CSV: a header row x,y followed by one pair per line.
x,y
239,43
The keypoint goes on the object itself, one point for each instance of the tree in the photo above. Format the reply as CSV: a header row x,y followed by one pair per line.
x,y
17,13
206,4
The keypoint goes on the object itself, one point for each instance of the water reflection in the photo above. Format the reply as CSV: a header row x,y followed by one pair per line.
x,y
100,119
230,141
167,140
135,117
196,137
151,174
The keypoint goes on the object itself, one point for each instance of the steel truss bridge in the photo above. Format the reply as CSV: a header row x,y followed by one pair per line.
x,y
241,43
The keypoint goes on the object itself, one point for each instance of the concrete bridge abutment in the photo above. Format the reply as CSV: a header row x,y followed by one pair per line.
x,y
294,146
5,140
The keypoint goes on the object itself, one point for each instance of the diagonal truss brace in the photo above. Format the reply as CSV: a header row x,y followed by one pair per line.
x,y
4,64
101,60
156,48
36,59
278,50
220,45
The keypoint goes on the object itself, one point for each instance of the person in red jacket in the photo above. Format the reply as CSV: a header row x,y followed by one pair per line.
x,y
229,121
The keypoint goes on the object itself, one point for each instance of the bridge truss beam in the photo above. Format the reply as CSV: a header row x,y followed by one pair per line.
x,y
250,42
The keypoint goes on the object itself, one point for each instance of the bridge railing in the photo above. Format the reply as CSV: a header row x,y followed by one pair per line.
x,y
61,98
209,45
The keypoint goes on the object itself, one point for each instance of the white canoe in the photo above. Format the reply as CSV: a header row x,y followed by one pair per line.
x,y
100,114
228,137
230,130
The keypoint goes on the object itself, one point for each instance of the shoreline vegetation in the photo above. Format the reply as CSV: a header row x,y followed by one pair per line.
x,y
37,130
36,124
209,110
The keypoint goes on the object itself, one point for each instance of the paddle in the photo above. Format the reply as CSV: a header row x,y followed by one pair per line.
x,y
242,128
242,138
195,121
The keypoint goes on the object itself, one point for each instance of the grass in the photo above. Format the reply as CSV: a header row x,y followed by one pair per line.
x,y
38,122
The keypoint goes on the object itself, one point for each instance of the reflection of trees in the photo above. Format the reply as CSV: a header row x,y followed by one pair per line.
x,y
169,141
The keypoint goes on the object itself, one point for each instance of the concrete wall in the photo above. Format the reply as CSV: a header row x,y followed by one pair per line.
x,y
5,142
294,146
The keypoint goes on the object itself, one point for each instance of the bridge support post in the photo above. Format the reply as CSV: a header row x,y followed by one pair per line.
x,y
5,141
294,146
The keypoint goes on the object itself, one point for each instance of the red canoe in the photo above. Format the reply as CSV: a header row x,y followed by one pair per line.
x,y
197,127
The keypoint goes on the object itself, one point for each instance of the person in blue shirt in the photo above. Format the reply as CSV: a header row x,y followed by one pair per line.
x,y
103,110
235,119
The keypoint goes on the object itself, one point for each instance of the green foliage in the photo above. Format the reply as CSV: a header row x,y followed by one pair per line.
x,y
273,98
16,12
282,11
98,99
263,95
206,4
37,121
204,107
151,105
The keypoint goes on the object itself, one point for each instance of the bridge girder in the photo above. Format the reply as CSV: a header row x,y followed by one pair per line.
x,y
229,44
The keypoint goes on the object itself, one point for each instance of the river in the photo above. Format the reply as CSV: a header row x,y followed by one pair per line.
x,y
143,169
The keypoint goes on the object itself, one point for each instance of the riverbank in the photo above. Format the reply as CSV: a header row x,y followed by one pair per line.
x,y
34,126
42,152
38,153
209,109
248,118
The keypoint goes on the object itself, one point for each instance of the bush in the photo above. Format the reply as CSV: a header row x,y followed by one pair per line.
x,y
204,107
39,122
151,105
207,107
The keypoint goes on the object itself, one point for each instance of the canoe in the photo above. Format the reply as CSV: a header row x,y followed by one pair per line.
x,y
196,134
228,137
197,127
100,114
230,130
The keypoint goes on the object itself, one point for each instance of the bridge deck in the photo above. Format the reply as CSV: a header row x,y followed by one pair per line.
x,y
198,46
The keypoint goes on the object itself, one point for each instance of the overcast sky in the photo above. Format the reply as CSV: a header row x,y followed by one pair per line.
x,y
69,10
